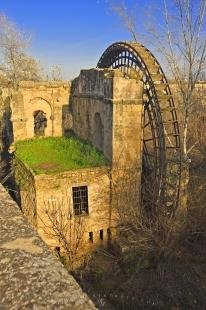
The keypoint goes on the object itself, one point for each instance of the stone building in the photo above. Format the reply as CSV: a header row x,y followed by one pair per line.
x,y
125,109
106,109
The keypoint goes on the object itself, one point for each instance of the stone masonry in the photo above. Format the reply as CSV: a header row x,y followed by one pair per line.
x,y
48,97
107,111
38,192
31,277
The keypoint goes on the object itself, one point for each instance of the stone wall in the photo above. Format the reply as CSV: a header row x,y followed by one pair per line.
x,y
49,97
57,189
31,277
127,122
6,131
92,108
107,111
25,191
41,192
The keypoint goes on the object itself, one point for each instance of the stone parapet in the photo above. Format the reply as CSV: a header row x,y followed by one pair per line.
x,y
31,277
32,84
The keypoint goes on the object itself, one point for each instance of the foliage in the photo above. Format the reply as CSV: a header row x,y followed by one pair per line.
x,y
16,65
137,281
59,224
180,42
56,73
57,154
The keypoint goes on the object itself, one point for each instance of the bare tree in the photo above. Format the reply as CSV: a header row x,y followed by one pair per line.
x,y
56,73
16,65
128,18
181,41
146,231
59,224
125,194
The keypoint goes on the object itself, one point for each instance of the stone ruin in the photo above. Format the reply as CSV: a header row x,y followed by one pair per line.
x,y
125,109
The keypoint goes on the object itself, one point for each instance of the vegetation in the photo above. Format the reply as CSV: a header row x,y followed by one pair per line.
x,y
58,154
165,264
58,222
181,43
15,64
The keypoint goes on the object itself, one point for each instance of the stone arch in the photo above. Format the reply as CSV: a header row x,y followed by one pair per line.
x,y
98,132
39,104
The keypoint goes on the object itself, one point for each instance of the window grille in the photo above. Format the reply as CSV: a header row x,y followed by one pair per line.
x,y
80,200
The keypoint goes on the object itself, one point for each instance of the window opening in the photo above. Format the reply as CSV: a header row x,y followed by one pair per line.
x,y
91,236
80,200
101,234
109,233
40,123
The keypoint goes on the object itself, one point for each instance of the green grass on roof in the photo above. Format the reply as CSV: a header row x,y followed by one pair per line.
x,y
57,154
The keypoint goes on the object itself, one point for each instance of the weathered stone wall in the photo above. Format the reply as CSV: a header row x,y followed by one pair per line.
x,y
58,189
40,192
92,108
49,97
6,130
107,111
127,122
25,191
30,276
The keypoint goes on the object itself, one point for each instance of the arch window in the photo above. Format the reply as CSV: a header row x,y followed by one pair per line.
x,y
40,123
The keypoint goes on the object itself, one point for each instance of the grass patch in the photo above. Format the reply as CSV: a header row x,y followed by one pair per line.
x,y
57,154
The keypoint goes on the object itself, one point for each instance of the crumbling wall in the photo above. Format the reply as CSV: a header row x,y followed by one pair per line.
x,y
6,137
6,128
107,111
91,100
25,191
48,97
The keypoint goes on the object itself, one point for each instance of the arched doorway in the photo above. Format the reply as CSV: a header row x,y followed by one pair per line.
x,y
40,123
98,132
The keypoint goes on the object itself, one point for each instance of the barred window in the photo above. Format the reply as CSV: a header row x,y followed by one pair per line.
x,y
80,200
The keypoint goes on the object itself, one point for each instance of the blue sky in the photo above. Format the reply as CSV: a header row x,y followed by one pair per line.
x,y
72,34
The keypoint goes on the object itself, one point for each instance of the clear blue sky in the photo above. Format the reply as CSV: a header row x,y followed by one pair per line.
x,y
72,34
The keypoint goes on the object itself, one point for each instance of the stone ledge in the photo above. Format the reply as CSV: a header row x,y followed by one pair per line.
x,y
50,84
31,277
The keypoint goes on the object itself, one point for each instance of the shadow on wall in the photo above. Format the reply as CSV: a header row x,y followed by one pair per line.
x,y
66,119
98,132
7,136
6,139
